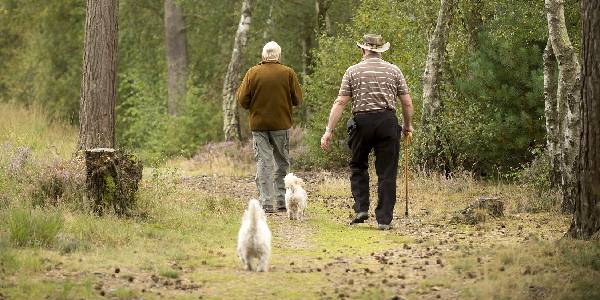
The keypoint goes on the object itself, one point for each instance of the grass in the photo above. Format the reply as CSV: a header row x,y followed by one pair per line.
x,y
181,242
31,227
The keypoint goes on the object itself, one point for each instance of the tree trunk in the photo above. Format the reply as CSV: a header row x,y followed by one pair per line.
x,y
323,20
551,113
268,31
432,103
112,179
175,43
306,48
231,122
569,100
586,219
98,85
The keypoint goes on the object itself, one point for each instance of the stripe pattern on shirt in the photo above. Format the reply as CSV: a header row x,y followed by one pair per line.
x,y
373,84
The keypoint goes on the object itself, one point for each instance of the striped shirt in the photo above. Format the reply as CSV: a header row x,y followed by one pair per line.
x,y
373,84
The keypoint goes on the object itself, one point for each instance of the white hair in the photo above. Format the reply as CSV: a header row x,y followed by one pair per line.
x,y
271,52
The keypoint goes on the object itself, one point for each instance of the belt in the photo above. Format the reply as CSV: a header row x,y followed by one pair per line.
x,y
373,111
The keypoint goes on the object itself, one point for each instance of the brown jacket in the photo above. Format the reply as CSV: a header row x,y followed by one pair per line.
x,y
269,90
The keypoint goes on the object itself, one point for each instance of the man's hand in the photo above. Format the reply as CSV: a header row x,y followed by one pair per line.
x,y
325,139
407,134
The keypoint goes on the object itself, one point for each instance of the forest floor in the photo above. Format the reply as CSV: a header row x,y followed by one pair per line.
x,y
182,244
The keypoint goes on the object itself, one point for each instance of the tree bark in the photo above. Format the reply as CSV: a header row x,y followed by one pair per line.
x,y
306,48
112,179
586,219
323,20
176,46
568,98
98,85
231,122
268,31
551,113
432,103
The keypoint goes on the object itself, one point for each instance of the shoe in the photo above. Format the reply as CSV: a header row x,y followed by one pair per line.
x,y
268,209
281,206
384,226
360,217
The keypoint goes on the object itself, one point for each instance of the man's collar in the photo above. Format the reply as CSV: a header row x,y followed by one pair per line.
x,y
371,55
269,62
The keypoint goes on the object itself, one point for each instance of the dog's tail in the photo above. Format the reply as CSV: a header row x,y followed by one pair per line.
x,y
254,212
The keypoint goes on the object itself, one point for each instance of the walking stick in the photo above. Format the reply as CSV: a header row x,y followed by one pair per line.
x,y
406,175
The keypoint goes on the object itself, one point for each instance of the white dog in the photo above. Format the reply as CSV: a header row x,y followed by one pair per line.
x,y
295,197
254,238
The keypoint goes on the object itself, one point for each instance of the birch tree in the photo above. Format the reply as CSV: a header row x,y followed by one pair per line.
x,y
586,219
98,85
551,113
323,20
176,51
231,122
432,103
568,98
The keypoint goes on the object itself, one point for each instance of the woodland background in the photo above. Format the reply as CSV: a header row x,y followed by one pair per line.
x,y
492,85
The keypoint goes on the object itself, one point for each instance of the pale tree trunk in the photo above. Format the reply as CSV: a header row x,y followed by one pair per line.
x,y
231,122
586,219
569,100
268,31
432,102
306,47
98,85
551,113
175,43
323,20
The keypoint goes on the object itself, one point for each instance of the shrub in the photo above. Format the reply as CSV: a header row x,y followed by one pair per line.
x,y
32,227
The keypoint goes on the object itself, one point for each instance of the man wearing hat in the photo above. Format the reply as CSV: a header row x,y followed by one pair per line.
x,y
373,85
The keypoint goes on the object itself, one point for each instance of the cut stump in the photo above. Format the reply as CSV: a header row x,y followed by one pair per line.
x,y
112,179
479,210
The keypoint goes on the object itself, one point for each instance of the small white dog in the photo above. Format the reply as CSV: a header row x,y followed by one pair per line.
x,y
254,238
295,197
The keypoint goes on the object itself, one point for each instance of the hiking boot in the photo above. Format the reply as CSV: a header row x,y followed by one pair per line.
x,y
268,209
384,226
360,217
281,207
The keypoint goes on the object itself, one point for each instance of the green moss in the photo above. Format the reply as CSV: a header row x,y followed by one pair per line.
x,y
110,191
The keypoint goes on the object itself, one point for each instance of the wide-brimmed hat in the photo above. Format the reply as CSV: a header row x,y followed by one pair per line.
x,y
373,42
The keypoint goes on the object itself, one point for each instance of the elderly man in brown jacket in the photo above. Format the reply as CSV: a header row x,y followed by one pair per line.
x,y
269,90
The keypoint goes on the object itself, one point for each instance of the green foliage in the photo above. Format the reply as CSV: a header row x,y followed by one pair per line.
x,y
41,54
32,227
497,116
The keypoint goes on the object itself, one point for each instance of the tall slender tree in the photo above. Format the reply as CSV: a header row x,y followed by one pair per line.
x,y
586,219
323,19
432,102
231,122
176,51
568,98
551,113
98,85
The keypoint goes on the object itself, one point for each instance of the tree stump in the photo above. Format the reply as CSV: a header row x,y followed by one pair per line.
x,y
479,210
112,180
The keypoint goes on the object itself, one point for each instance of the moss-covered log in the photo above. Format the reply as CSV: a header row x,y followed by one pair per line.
x,y
112,179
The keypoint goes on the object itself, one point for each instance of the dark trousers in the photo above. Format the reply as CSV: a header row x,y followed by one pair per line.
x,y
379,131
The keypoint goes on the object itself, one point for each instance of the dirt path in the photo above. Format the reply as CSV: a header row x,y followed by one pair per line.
x,y
422,257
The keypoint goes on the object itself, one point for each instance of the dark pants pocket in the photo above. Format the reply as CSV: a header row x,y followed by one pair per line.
x,y
351,126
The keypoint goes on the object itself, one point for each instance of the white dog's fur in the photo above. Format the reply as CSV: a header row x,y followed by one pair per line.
x,y
254,238
295,197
